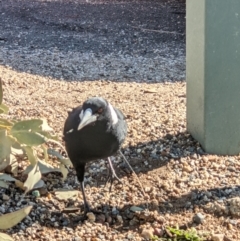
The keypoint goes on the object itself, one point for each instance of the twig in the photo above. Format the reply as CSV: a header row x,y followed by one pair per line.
x,y
157,31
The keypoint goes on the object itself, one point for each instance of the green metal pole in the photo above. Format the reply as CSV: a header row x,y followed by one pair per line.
x,y
213,74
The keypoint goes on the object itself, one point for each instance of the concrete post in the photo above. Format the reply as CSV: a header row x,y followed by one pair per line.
x,y
213,74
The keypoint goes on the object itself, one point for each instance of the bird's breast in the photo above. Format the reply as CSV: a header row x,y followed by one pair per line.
x,y
90,143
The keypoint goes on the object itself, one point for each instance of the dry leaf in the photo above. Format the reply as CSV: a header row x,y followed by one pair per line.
x,y
64,194
20,185
9,220
150,91
13,164
33,177
17,151
45,126
5,237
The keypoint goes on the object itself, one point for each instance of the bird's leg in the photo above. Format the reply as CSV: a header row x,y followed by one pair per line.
x,y
112,175
80,169
86,205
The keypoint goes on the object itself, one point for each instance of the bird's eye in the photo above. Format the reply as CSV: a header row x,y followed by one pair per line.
x,y
100,110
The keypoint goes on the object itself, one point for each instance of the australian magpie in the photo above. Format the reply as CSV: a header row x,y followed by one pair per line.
x,y
93,131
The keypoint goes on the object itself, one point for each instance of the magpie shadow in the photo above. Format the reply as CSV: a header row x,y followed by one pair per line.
x,y
172,205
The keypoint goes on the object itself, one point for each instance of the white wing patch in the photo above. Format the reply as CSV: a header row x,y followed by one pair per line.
x,y
113,114
70,131
81,115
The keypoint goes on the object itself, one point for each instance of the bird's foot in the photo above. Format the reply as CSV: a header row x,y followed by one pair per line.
x,y
84,217
111,179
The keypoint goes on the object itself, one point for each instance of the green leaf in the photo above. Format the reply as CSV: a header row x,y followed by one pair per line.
x,y
7,178
44,168
44,148
34,176
61,159
33,125
3,109
28,138
48,135
5,123
5,145
31,155
1,92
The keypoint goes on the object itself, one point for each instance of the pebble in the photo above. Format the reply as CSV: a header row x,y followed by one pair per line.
x,y
217,237
187,168
91,217
5,197
119,218
198,218
136,209
36,193
147,233
234,206
115,211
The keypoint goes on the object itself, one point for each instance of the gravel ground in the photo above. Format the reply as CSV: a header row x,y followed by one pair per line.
x,y
134,43
182,184
92,40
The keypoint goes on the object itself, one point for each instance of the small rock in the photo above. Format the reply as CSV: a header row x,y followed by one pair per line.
x,y
43,191
101,218
217,237
187,168
91,217
234,206
5,197
205,158
119,218
133,222
198,218
159,232
212,158
109,219
115,211
147,233
36,193
136,209
147,189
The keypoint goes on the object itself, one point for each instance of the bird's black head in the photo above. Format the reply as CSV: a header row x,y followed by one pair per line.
x,y
94,109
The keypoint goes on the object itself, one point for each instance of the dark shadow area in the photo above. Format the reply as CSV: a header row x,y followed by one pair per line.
x,y
47,212
89,40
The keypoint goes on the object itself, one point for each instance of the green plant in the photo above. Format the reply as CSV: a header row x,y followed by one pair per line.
x,y
176,234
184,235
21,139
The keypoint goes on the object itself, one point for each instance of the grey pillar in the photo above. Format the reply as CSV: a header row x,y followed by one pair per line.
x,y
213,74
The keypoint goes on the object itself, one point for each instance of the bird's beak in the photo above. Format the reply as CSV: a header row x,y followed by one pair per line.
x,y
87,119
